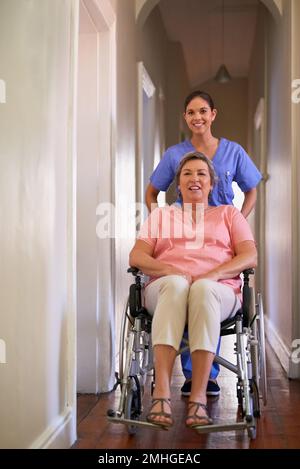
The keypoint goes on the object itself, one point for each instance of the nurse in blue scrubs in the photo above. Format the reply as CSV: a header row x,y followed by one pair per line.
x,y
231,163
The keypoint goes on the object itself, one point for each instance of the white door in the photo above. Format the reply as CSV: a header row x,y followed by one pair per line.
x,y
95,322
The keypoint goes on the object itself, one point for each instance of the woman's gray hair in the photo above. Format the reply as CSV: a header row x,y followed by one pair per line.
x,y
196,155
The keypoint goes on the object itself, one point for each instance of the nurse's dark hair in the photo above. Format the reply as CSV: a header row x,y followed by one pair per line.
x,y
199,94
196,155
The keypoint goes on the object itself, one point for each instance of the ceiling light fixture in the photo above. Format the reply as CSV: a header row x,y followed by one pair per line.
x,y
223,76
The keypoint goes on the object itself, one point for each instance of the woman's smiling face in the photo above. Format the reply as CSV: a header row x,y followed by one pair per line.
x,y
199,116
195,182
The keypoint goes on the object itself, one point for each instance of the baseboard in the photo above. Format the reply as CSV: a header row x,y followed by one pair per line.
x,y
278,346
61,434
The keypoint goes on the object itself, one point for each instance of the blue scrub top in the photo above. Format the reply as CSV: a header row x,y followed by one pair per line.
x,y
231,163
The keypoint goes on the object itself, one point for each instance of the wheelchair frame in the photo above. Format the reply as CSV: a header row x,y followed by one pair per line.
x,y
136,360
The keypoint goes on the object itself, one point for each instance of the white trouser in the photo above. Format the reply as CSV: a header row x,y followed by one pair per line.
x,y
203,305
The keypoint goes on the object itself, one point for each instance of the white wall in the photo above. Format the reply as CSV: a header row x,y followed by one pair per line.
x,y
257,71
294,370
37,404
165,64
178,87
273,66
87,183
125,146
95,285
256,135
272,79
152,54
279,187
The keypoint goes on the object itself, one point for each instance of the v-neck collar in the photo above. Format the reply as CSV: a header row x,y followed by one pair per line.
x,y
218,150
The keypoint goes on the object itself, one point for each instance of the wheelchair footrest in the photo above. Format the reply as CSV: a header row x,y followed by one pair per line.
x,y
138,423
223,427
218,427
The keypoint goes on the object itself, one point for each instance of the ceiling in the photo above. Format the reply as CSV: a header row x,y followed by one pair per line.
x,y
197,25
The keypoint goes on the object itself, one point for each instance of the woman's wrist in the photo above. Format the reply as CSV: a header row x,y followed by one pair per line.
x,y
174,271
212,275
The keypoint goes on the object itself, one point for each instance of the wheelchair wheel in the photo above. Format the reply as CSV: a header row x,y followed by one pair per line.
x,y
255,398
125,328
258,351
251,432
262,350
145,358
132,407
239,394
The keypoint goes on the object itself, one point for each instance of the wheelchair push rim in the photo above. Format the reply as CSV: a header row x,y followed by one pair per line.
x,y
262,349
258,350
125,324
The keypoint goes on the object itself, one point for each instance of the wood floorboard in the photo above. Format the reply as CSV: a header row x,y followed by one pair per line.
x,y
278,427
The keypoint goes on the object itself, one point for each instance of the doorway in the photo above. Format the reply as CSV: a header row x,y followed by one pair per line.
x,y
95,288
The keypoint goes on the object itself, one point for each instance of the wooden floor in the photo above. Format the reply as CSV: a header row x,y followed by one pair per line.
x,y
278,427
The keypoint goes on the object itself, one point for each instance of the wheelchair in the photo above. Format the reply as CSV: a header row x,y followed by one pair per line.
x,y
136,360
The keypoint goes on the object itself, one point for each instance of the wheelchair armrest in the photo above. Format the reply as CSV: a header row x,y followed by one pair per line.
x,y
247,296
133,270
248,272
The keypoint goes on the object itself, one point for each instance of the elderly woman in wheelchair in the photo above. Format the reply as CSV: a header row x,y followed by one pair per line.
x,y
194,255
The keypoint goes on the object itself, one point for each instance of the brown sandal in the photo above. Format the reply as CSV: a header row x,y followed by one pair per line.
x,y
198,420
151,417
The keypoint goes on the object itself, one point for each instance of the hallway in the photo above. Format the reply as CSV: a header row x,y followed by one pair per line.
x,y
91,97
278,427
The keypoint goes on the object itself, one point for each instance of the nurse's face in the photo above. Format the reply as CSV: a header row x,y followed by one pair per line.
x,y
199,116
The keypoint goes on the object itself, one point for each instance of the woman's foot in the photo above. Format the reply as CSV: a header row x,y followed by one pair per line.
x,y
160,412
197,415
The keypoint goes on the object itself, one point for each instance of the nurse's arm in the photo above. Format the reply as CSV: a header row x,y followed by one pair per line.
x,y
249,202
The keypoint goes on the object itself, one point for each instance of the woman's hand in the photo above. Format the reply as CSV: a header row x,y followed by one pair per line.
x,y
175,271
212,275
141,256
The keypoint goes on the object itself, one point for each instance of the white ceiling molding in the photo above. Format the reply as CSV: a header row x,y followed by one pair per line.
x,y
239,21
142,10
144,7
107,11
275,8
102,13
